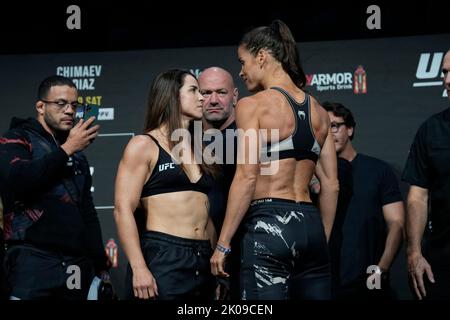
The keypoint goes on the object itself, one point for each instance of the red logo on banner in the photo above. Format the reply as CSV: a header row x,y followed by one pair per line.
x,y
360,82
111,252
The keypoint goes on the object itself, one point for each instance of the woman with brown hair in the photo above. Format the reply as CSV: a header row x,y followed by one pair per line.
x,y
170,259
284,251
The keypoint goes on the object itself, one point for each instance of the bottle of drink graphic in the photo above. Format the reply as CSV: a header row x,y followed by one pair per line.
x,y
360,86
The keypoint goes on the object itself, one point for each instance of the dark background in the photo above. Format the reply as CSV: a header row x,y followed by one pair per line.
x,y
40,26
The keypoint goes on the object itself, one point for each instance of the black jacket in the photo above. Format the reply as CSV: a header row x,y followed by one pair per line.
x,y
46,195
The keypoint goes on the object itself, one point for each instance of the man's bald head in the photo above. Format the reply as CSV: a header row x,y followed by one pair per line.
x,y
217,74
217,87
446,72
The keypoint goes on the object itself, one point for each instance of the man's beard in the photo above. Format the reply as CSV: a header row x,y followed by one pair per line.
x,y
217,123
60,134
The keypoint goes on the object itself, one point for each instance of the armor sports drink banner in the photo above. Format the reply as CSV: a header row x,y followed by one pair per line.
x,y
391,85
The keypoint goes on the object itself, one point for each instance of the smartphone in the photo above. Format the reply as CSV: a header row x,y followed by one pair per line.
x,y
85,111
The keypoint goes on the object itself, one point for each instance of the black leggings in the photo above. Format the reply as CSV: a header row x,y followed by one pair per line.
x,y
180,266
284,252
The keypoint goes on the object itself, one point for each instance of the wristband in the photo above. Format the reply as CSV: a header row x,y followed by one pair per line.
x,y
222,249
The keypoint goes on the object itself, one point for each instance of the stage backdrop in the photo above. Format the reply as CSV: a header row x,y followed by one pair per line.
x,y
391,85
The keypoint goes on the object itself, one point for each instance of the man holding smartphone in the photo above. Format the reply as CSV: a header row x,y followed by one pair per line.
x,y
51,228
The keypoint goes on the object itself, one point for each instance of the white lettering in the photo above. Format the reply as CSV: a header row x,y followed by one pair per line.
x,y
73,21
74,281
373,21
433,72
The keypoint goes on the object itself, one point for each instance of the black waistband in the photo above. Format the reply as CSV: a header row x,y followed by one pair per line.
x,y
278,200
156,235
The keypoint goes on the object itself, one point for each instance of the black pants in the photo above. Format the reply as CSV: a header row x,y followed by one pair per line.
x,y
358,290
180,266
284,252
439,259
33,273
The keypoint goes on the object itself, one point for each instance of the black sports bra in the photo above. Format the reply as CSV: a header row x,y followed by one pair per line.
x,y
301,144
167,176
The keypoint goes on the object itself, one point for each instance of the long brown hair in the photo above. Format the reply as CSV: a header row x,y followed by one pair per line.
x,y
164,108
278,40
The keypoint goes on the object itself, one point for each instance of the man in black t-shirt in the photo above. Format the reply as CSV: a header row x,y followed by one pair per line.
x,y
218,89
372,227
427,170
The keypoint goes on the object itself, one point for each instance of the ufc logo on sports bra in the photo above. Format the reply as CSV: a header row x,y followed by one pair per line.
x,y
165,166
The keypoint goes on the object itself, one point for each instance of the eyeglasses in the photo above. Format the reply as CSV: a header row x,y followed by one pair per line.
x,y
335,126
62,104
